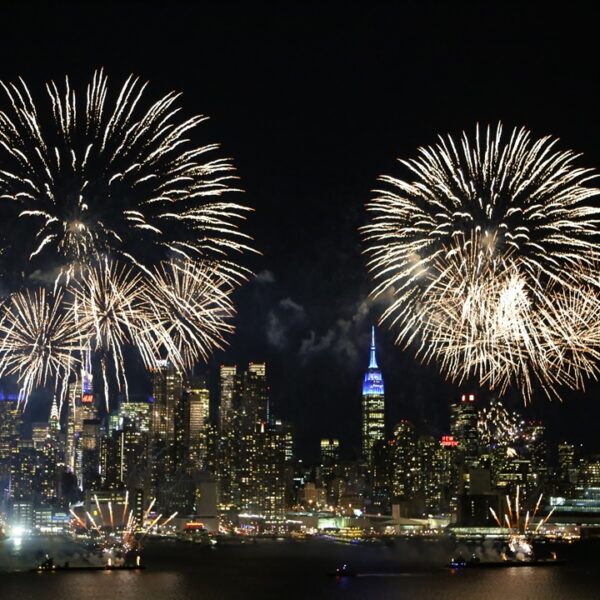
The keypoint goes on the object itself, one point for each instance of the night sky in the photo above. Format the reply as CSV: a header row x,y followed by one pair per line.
x,y
313,105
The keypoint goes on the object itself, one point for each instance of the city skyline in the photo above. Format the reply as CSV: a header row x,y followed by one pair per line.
x,y
374,420
351,437
243,465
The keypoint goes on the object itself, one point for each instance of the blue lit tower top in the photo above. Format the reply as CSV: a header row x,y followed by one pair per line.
x,y
373,382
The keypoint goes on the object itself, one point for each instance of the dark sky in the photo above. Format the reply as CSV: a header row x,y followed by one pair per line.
x,y
313,104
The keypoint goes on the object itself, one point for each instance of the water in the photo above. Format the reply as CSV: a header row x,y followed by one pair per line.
x,y
289,570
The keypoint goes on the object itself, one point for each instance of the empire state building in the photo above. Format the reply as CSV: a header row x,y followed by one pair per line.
x,y
373,404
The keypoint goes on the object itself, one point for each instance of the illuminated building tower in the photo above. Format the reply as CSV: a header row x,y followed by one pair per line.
x,y
39,434
197,422
10,424
124,447
288,438
23,471
54,421
167,391
404,465
245,402
135,414
330,458
47,466
429,473
263,472
566,462
254,397
463,426
90,454
228,375
81,407
449,475
373,405
536,448
589,472
381,477
212,447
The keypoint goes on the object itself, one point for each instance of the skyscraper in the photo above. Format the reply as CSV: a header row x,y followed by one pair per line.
x,y
263,472
198,421
167,389
404,464
463,426
10,422
373,405
228,374
330,458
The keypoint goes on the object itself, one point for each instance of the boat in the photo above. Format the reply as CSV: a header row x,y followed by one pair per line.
x,y
342,570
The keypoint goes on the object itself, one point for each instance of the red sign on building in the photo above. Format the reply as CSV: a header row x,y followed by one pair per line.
x,y
448,441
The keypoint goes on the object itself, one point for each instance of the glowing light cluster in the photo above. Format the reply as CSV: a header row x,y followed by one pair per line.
x,y
489,257
108,201
497,426
521,528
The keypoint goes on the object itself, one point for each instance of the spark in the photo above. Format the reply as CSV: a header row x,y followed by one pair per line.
x,y
490,256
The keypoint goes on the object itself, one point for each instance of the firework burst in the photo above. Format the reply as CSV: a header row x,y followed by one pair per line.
x,y
189,305
490,254
108,196
39,339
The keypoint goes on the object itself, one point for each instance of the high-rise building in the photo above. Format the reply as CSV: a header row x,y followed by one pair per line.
x,y
373,405
566,461
404,463
536,448
463,426
449,476
430,465
10,423
330,458
381,477
81,407
197,422
253,404
228,375
135,414
263,472
90,454
167,391
23,470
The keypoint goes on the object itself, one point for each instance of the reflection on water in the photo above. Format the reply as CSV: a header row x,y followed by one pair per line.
x,y
289,570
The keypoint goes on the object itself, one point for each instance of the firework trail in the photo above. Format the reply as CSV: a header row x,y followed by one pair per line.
x,y
490,254
122,532
107,196
521,528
